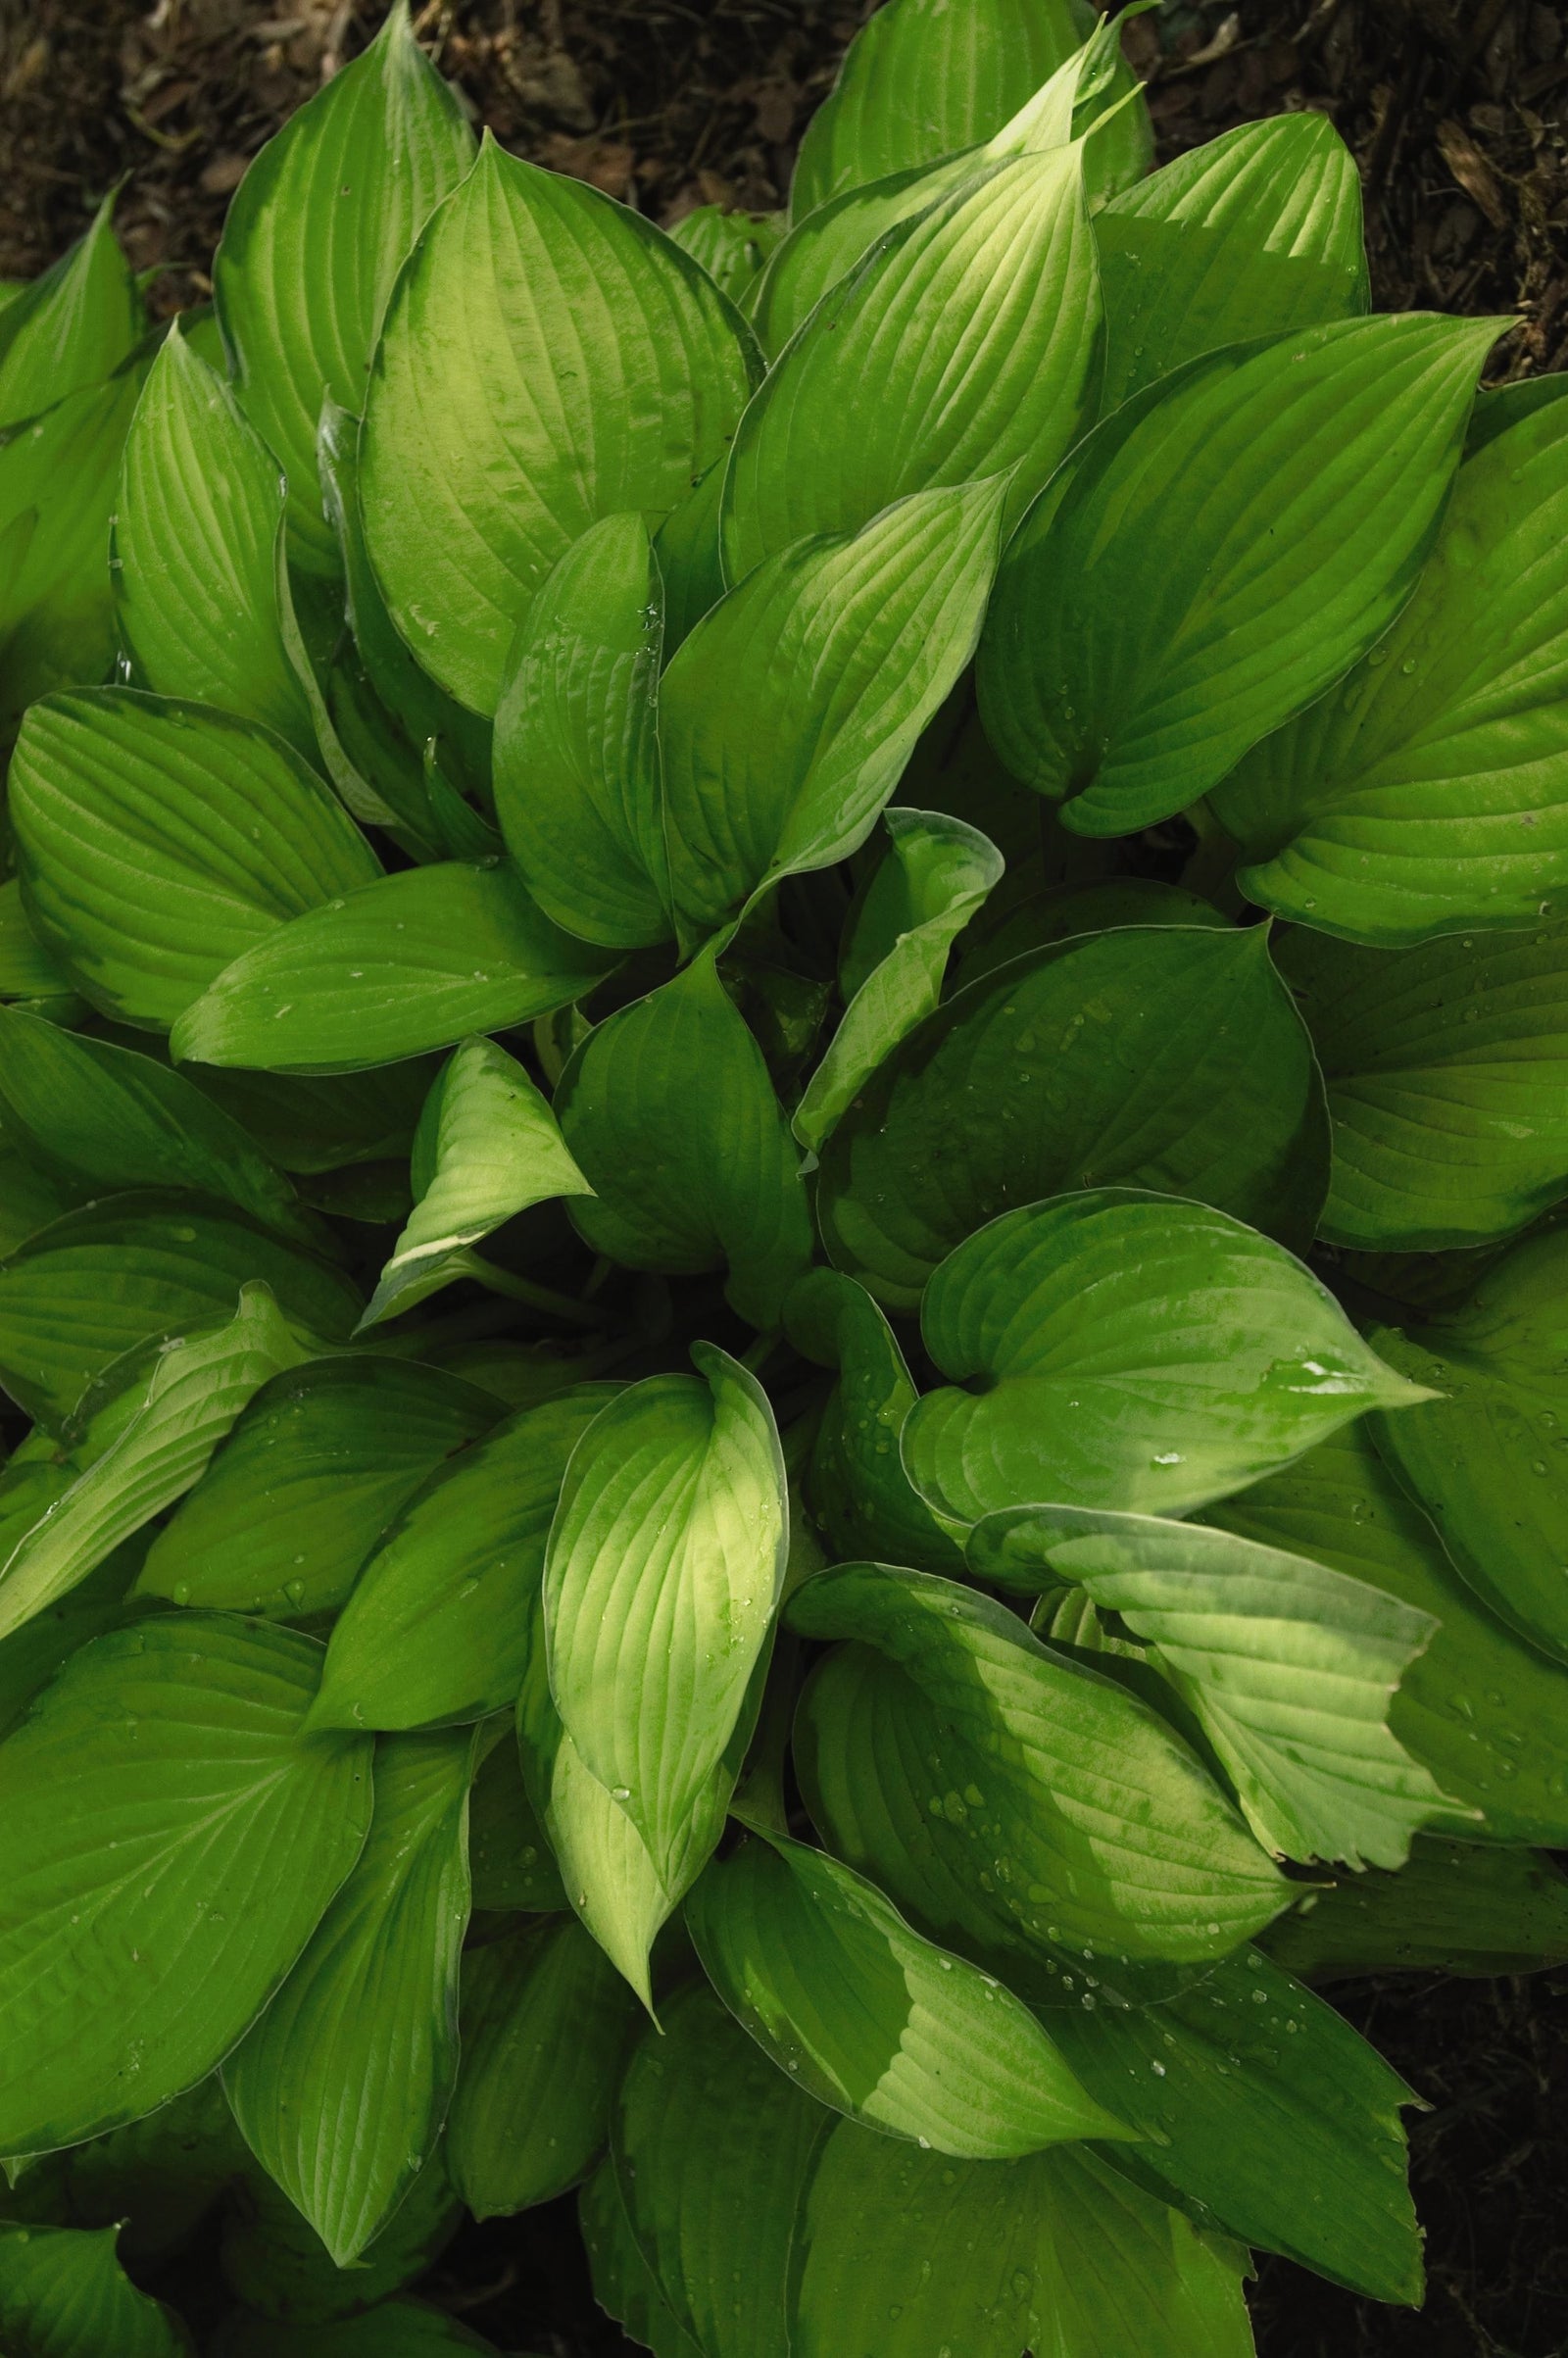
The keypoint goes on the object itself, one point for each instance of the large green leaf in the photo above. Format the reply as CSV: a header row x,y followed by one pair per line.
x,y
1263,2113
313,242
72,327
129,1268
576,745
1457,1907
1055,912
509,1858
126,1120
491,1147
169,1844
1290,1668
273,2260
869,2017
549,358
545,2023
1165,1056
789,713
309,1126
906,2255
1485,1711
965,344
313,1473
159,2177
664,1566
195,551
57,493
64,2294
160,840
1138,642
1128,1350
1447,1067
923,895
860,1493
1484,1458
920,81
1051,1805
199,1385
668,1110
438,1626
1425,792
1256,233
398,2328
31,1655
341,2089
388,972
713,2147
623,2283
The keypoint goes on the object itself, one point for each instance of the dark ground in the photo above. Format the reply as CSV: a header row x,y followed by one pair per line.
x,y
1457,110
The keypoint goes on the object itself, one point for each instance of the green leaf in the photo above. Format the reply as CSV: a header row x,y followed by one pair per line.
x,y
545,2023
664,1568
438,1627
56,495
159,2177
925,891
64,2294
195,551
1164,1057
861,1496
623,2283
789,713
1256,233
496,1150
1265,2115
668,1110
200,1384
1483,1458
1483,1710
965,344
576,746
1060,912
918,82
1110,1834
341,2089
712,2148
273,2260
160,840
313,1126
302,1491
72,327
1290,1668
135,1950
905,2254
313,242
33,1656
1447,1067
125,1119
871,2017
392,2330
509,1858
1425,793
1455,1908
731,247
129,1269
1128,1350
27,971
549,358
388,972
1137,644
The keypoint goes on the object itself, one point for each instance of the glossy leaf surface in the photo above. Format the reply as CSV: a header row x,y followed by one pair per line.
x,y
64,2294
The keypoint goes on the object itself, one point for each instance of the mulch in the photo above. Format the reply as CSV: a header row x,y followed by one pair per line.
x,y
1458,112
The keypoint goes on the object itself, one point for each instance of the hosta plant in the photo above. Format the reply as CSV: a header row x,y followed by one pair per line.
x,y
781,1102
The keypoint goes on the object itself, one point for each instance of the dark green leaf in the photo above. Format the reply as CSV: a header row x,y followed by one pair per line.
x,y
1454,1908
509,1859
273,2260
388,972
160,840
392,2330
341,2089
668,1110
1137,644
623,2283
1128,1350
545,2023
1058,912
1164,1057
1053,1804
549,358
64,2294
134,1950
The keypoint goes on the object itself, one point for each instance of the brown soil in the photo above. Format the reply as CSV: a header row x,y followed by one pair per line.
x,y
1457,110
